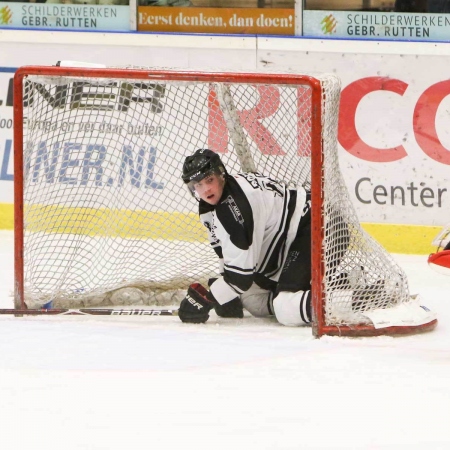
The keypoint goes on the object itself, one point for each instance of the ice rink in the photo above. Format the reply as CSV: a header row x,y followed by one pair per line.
x,y
132,383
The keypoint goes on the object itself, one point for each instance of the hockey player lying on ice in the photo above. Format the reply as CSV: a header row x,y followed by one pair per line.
x,y
261,232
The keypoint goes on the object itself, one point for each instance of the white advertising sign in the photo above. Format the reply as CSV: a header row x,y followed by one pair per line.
x,y
65,16
6,135
393,129
100,136
376,25
393,120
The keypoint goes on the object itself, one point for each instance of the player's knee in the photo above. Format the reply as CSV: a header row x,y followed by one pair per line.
x,y
258,310
256,301
293,309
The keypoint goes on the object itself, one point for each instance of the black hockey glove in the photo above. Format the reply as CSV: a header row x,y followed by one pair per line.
x,y
195,307
230,310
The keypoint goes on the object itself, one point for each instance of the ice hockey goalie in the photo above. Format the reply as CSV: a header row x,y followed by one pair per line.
x,y
440,261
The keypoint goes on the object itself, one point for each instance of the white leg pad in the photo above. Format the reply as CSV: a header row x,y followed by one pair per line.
x,y
289,308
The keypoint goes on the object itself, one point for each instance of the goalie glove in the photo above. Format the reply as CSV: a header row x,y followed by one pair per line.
x,y
197,304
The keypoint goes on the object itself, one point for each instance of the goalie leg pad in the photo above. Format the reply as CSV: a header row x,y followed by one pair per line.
x,y
293,309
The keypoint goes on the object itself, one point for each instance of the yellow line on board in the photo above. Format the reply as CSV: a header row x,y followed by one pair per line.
x,y
406,239
6,216
111,222
106,222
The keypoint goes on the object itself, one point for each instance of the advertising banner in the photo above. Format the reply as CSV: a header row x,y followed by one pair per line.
x,y
376,25
217,20
6,135
392,131
394,139
393,127
65,16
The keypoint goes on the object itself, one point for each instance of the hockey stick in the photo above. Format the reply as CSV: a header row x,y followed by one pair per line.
x,y
99,311
91,312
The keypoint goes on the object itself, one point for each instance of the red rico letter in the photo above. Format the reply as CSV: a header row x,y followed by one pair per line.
x,y
348,135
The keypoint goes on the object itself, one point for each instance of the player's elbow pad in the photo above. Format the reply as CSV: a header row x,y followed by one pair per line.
x,y
242,282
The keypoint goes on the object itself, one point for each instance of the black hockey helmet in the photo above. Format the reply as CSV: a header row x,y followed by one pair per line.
x,y
202,163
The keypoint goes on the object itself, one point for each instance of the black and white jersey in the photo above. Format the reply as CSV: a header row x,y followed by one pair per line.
x,y
251,229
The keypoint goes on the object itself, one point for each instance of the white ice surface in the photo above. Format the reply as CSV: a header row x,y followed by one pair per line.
x,y
131,383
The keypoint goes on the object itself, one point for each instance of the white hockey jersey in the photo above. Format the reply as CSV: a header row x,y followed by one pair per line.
x,y
251,229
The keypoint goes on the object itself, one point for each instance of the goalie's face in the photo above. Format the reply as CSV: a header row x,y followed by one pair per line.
x,y
208,189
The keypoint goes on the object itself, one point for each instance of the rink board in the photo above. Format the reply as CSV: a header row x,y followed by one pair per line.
x,y
405,239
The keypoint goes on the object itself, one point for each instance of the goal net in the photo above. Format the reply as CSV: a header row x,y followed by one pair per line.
x,y
103,217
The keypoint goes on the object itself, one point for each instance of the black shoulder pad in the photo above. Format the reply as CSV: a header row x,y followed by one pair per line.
x,y
235,214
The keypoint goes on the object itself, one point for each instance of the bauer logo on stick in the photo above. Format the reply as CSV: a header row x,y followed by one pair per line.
x,y
136,312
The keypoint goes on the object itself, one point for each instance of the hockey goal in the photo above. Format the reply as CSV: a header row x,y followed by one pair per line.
x,y
103,218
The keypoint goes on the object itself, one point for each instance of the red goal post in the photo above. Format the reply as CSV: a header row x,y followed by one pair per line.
x,y
102,217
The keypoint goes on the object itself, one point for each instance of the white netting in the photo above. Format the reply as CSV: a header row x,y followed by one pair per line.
x,y
105,208
360,275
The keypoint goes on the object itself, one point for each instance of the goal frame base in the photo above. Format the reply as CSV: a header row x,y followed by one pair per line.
x,y
344,331
371,331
